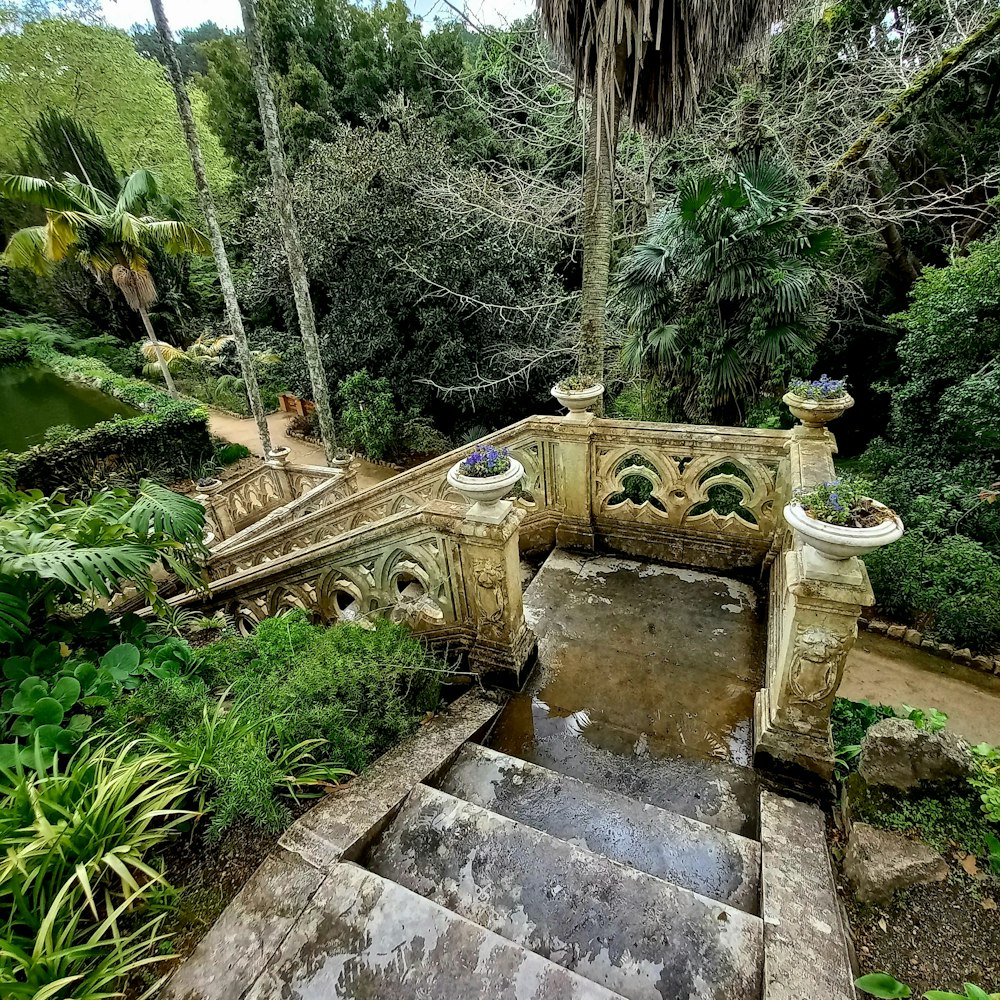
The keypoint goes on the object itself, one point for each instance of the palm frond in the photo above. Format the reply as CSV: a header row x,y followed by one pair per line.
x,y
176,237
96,201
140,189
135,285
39,192
62,232
26,249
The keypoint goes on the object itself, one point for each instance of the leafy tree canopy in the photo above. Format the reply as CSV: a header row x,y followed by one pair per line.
x,y
95,75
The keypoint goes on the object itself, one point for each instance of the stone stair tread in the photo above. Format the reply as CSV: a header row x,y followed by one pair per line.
x,y
714,792
363,937
705,859
631,932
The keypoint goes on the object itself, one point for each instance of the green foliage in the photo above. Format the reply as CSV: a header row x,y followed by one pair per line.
x,y
986,780
56,552
836,502
946,402
726,293
931,720
370,418
369,202
881,984
850,720
168,441
94,74
228,453
12,353
75,872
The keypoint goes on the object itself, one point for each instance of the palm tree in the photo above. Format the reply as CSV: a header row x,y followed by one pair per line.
x,y
654,60
289,228
727,291
207,203
106,237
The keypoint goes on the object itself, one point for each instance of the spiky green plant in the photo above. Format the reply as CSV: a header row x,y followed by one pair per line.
x,y
727,291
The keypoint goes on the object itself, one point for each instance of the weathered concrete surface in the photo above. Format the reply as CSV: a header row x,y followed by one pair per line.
x,y
673,654
895,753
368,939
632,933
343,822
805,955
702,858
880,862
645,685
249,932
629,763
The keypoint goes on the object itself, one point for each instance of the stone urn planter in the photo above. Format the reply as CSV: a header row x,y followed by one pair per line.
x,y
817,413
341,460
577,401
486,493
839,542
278,456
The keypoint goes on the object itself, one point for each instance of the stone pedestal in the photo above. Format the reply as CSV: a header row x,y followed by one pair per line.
x,y
491,577
575,478
815,604
217,509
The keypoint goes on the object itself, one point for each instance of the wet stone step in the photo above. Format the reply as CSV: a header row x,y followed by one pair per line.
x,y
711,791
710,861
365,938
637,935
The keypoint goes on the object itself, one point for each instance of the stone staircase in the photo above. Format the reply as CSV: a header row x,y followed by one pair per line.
x,y
569,856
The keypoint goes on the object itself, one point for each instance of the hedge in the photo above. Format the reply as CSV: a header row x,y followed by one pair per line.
x,y
168,440
12,352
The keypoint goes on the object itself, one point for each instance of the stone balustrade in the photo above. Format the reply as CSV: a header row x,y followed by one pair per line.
x,y
702,496
233,506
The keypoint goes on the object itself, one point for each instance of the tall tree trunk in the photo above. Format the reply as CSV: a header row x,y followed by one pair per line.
x,y
598,218
161,360
207,203
289,228
902,102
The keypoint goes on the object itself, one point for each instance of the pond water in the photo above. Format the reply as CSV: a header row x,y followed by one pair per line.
x,y
33,399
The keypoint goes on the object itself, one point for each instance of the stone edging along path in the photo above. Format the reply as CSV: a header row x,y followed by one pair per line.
x,y
913,637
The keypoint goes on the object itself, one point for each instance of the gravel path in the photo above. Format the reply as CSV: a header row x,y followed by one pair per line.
x,y
243,430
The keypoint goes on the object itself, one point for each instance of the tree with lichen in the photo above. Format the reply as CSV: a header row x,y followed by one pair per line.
x,y
207,203
651,61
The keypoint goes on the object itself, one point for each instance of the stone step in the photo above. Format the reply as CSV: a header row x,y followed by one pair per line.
x,y
711,791
708,860
365,938
628,931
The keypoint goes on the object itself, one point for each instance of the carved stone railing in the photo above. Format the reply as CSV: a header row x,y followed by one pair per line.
x,y
576,491
454,581
233,506
695,495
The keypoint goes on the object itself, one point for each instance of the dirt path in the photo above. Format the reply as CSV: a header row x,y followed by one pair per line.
x,y
242,430
893,673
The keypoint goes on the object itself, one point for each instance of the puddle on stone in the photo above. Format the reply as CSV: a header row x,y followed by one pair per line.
x,y
672,657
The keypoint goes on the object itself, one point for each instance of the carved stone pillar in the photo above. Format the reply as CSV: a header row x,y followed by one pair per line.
x,y
277,462
575,478
813,611
491,574
815,626
216,509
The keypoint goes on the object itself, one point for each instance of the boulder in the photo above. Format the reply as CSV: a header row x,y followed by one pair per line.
x,y
895,753
879,863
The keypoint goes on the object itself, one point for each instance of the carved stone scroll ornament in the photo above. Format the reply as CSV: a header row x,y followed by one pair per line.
x,y
492,598
817,663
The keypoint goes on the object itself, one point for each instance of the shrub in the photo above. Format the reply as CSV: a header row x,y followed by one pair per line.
x,y
13,352
227,453
371,421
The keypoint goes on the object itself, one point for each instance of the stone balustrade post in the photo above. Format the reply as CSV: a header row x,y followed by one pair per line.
x,y
813,613
491,579
575,481
277,463
216,508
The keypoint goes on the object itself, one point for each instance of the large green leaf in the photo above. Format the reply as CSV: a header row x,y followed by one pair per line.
x,y
881,984
39,192
13,615
165,512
